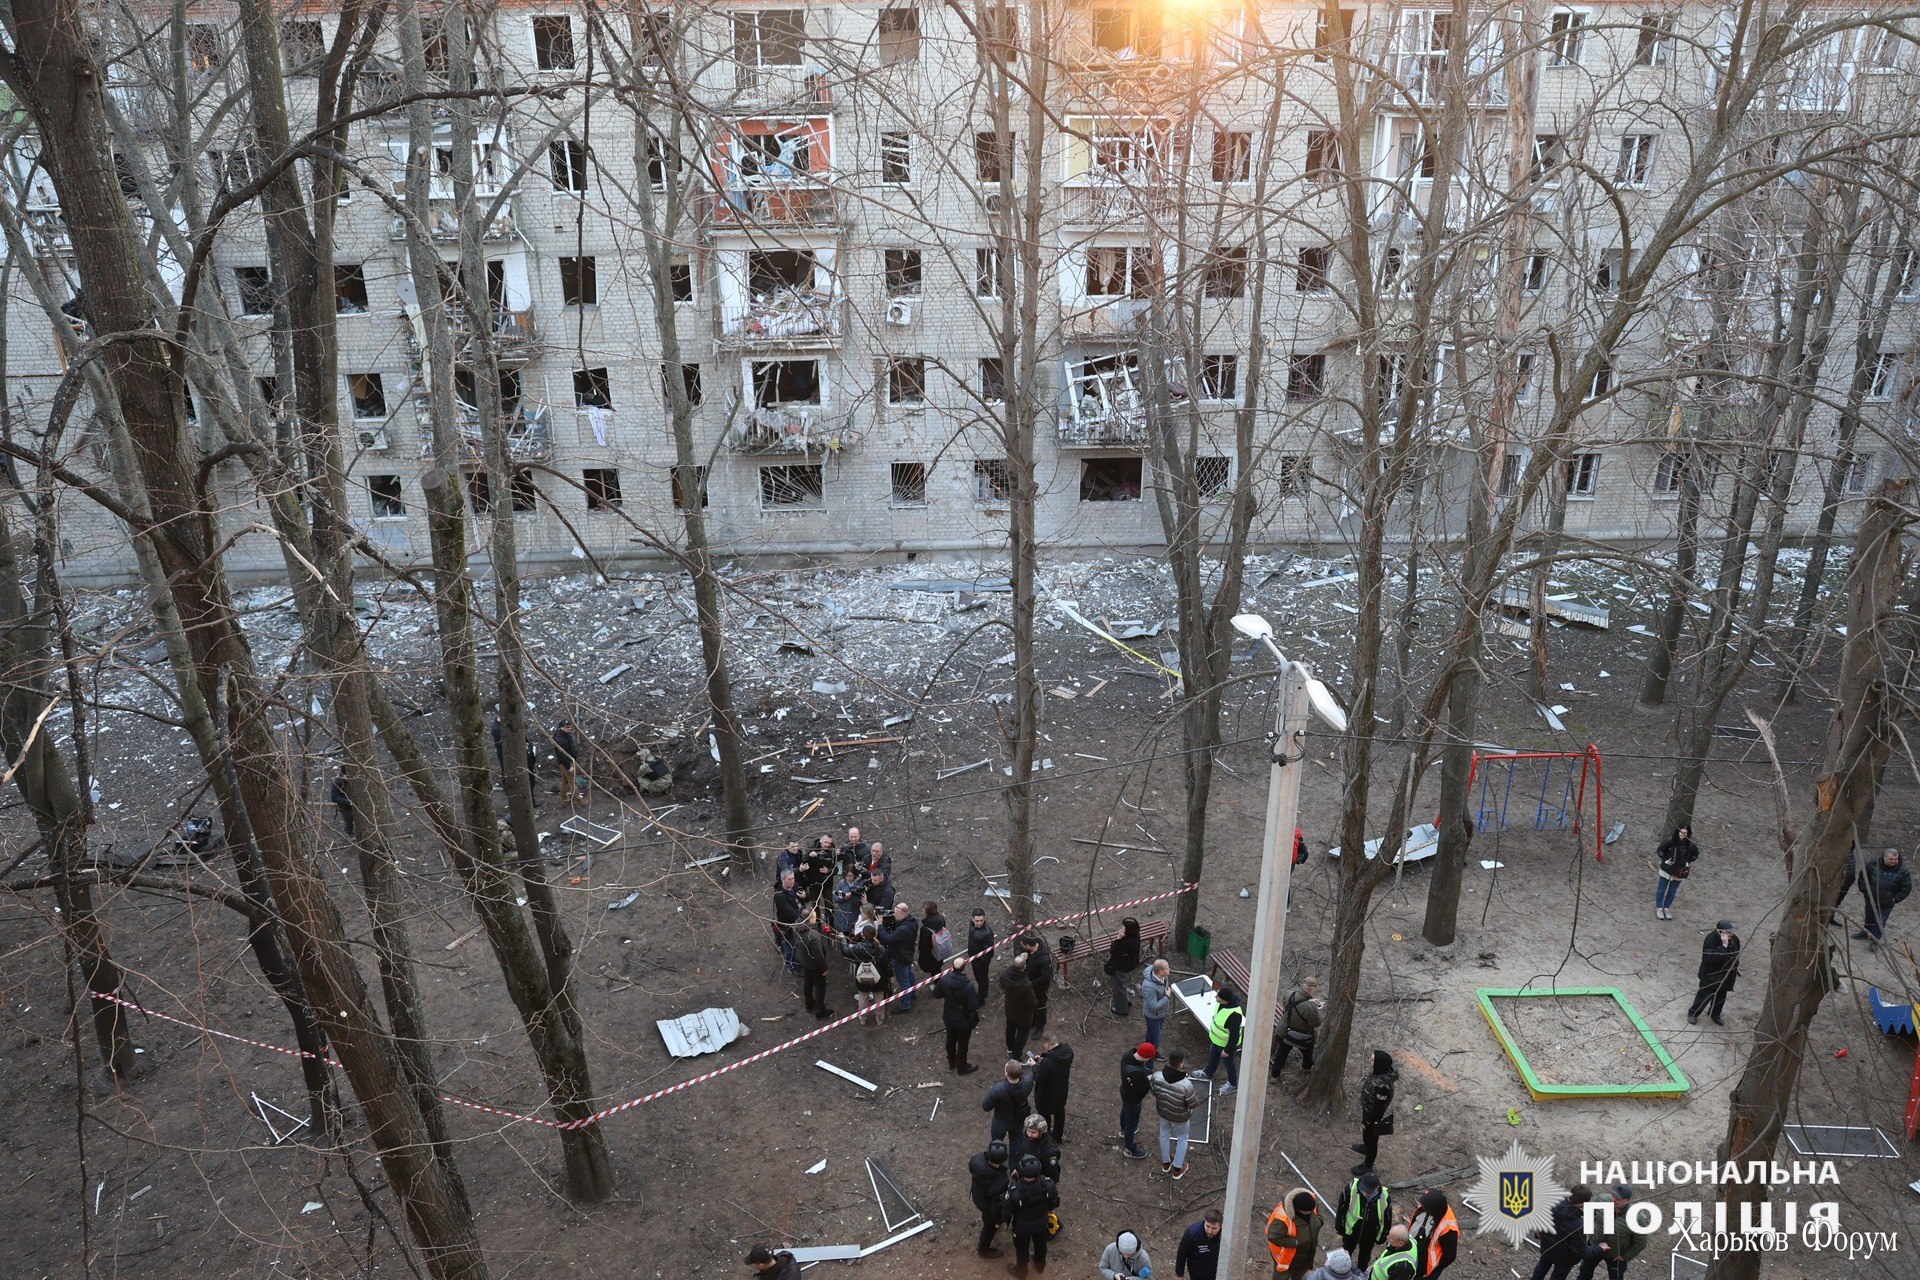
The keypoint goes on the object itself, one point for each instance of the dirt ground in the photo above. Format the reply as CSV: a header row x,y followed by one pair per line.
x,y
171,1175
1579,1040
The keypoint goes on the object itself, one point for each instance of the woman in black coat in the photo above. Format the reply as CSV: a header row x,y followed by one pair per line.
x,y
1123,957
931,923
1677,857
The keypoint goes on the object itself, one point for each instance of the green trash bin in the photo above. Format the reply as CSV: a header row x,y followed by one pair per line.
x,y
1199,943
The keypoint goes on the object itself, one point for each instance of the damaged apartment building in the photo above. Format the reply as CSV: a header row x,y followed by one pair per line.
x,y
1179,207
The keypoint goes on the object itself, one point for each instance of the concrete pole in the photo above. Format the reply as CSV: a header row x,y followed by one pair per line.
x,y
1244,1197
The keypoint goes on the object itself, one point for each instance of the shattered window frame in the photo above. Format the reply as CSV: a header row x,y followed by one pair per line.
x,y
793,486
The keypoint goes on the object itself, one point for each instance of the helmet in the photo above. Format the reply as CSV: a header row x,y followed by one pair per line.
x,y
1029,1166
997,1152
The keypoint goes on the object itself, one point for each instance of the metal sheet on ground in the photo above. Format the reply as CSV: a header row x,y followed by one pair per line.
x,y
591,830
1200,1133
896,1210
707,1031
1840,1140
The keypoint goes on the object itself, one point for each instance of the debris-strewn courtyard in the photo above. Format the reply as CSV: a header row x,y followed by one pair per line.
x,y
865,702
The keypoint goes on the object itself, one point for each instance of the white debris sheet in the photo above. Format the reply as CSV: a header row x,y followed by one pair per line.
x,y
708,1031
1423,842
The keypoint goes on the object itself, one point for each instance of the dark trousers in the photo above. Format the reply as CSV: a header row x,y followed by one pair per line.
x,y
1283,1048
813,989
983,977
1017,1040
1559,1261
957,1045
1873,918
1055,1114
1712,991
1130,1124
1040,990
1036,1244
1369,1144
1616,1269
1361,1247
989,1227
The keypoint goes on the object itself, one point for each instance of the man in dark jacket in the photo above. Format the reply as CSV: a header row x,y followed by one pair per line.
x,y
1621,1246
1435,1233
815,871
1885,883
1017,999
1376,1106
959,1014
1362,1216
854,852
880,892
900,935
849,891
1123,957
1034,1140
1225,1034
1563,1246
989,1171
1719,969
816,953
786,914
773,1266
1030,1203
980,942
1299,1029
1050,1072
1136,1082
1040,973
1199,1254
1007,1100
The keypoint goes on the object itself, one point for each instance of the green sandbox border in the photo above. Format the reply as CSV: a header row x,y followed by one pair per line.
x,y
1674,1086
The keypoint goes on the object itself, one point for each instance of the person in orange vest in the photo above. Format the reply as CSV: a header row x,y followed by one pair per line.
x,y
1293,1234
1435,1232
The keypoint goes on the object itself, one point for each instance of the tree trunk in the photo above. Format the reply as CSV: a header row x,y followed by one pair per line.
x,y
1659,670
1799,974
51,70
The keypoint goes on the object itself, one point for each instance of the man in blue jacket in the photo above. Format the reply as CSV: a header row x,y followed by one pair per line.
x,y
1199,1254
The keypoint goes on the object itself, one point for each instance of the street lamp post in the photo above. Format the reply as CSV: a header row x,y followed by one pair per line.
x,y
1299,690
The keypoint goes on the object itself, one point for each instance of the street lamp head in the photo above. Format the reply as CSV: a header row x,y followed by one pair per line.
x,y
1323,702
1253,626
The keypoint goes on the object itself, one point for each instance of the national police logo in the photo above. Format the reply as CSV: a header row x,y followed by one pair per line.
x,y
1515,1194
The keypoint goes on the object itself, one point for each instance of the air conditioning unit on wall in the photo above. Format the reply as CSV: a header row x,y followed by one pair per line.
x,y
900,311
374,439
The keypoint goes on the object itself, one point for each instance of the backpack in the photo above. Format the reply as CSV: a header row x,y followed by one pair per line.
x,y
942,945
866,974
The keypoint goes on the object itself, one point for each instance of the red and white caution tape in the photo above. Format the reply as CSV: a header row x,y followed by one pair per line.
x,y
717,1072
210,1031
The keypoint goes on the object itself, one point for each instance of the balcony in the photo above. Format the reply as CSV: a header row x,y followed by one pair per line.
x,y
776,205
529,435
1122,426
445,226
1105,204
790,317
803,430
1116,319
514,334
779,87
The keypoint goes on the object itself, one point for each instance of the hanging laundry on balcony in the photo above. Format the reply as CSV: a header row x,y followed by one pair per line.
x,y
601,420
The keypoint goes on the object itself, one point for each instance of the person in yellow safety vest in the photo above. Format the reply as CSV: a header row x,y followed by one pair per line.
x,y
1364,1213
1401,1261
1435,1232
1293,1234
1225,1032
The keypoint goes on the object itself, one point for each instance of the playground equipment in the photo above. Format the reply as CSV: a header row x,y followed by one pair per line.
x,y
1673,1085
1560,803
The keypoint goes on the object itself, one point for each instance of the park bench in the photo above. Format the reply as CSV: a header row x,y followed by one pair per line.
x,y
1228,969
1153,938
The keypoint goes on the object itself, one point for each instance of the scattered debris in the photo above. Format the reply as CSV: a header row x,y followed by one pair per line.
x,y
938,1099
625,902
848,1076
1423,842
897,1238
1566,608
1838,1140
824,1252
468,936
616,673
312,1206
708,1031
293,1124
997,585
819,1168
1488,864
1615,832
1552,716
896,1209
944,774
829,687
707,862
593,831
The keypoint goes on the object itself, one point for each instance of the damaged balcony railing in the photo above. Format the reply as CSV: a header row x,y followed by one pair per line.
x,y
784,204
807,430
787,316
529,435
513,331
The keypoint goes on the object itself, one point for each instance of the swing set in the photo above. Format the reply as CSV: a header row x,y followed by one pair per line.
x,y
1560,802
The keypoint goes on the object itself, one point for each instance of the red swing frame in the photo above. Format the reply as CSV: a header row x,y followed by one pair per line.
x,y
1590,763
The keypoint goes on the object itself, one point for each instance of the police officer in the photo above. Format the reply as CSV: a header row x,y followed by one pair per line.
x,y
989,1170
1363,1215
1030,1204
1224,1032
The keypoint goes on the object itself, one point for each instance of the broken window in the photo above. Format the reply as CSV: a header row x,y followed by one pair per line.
x,y
1291,476
899,35
777,153
773,271
903,273
689,381
663,161
1635,165
993,379
907,380
991,161
1606,273
1220,377
992,479
1211,474
1110,479
386,498
1539,265
553,43
368,394
255,288
1306,376
680,487
1583,473
592,389
1323,156
433,45
1653,40
769,37
896,158
986,273
350,289
1119,272
1882,375
1859,474
793,485
1127,31
1566,37
203,46
579,281
1232,156
1329,36
302,45
602,486
909,484
1224,273
567,165
1105,387
778,382
999,30
1310,274
680,280
1602,381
